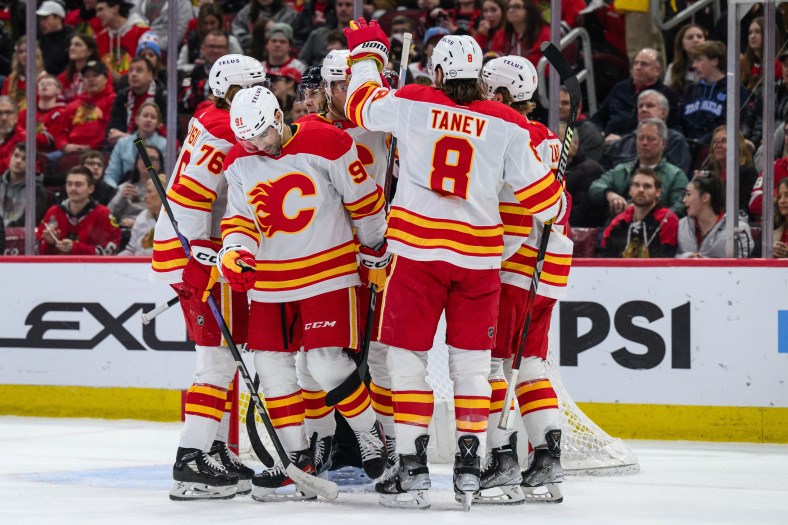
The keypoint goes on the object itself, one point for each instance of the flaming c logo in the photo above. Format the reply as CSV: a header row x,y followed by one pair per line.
x,y
268,201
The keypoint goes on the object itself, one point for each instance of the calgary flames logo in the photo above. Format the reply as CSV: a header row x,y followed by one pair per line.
x,y
268,201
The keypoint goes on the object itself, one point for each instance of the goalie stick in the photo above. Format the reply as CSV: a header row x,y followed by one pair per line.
x,y
323,487
559,62
349,385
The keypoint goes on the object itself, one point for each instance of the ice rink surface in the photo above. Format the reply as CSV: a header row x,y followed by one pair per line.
x,y
62,471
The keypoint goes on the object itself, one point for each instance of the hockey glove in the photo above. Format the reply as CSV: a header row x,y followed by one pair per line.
x,y
373,265
201,273
238,267
367,41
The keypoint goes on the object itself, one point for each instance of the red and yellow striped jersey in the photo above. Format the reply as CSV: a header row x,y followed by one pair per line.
x,y
454,160
197,192
522,239
296,213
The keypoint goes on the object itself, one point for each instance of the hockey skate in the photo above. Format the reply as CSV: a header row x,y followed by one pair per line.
x,y
198,476
274,484
392,459
372,445
406,487
322,451
540,481
232,463
467,471
501,477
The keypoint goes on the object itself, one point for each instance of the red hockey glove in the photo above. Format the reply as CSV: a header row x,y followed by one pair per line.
x,y
367,41
373,265
238,267
201,273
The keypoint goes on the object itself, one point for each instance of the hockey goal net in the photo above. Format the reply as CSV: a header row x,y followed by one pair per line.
x,y
585,447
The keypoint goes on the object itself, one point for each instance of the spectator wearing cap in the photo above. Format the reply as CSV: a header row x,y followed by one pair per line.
x,y
117,42
53,36
283,86
142,87
209,19
84,20
85,120
276,11
48,113
81,50
315,48
418,70
156,14
278,47
10,132
149,49
194,88
523,32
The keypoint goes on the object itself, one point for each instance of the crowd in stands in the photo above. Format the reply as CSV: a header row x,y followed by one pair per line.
x,y
645,170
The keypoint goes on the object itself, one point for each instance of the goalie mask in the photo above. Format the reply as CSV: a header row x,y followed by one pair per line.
x,y
254,113
459,57
235,69
514,73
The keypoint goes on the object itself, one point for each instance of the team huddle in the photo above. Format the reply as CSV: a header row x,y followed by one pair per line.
x,y
295,219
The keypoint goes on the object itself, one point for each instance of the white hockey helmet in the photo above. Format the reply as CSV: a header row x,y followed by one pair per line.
x,y
459,56
253,111
334,66
235,69
517,74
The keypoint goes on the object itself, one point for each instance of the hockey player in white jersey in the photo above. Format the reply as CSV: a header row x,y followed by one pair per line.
x,y
456,152
205,468
373,148
295,194
512,80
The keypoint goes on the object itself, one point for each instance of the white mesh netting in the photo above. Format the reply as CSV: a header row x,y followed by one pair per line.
x,y
585,448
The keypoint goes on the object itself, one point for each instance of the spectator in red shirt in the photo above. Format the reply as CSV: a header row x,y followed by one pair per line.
x,y
84,19
117,42
10,133
81,50
86,119
523,32
142,87
493,12
78,225
48,114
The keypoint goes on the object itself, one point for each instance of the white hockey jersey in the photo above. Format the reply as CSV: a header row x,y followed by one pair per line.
x,y
296,213
197,192
454,160
522,234
372,146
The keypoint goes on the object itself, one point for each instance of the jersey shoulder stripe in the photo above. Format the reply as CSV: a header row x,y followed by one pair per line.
x,y
217,122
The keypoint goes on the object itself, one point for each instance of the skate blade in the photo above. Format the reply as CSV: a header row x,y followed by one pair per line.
x,y
465,498
187,491
417,499
287,493
244,487
502,495
547,493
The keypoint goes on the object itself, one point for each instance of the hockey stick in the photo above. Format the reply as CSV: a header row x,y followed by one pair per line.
x,y
559,62
349,385
147,317
322,487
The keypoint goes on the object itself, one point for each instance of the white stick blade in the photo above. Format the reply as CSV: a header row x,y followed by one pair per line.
x,y
323,487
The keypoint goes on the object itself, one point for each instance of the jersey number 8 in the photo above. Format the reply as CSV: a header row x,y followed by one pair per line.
x,y
452,158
